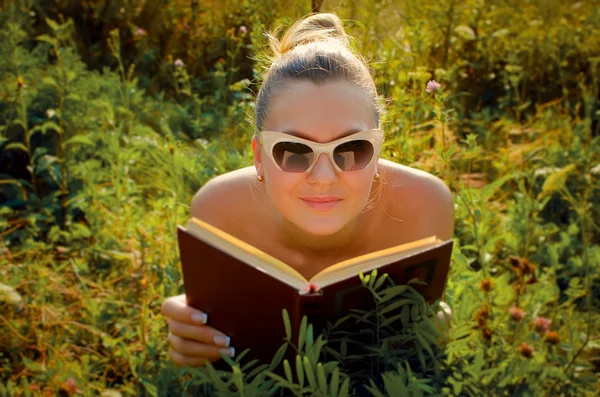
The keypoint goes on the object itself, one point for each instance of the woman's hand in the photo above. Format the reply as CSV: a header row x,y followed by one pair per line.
x,y
191,341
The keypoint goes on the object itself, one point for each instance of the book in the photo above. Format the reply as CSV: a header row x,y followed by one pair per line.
x,y
244,290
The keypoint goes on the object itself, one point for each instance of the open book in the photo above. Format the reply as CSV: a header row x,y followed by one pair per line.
x,y
243,289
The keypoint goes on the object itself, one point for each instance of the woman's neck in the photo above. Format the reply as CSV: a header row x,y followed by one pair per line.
x,y
350,237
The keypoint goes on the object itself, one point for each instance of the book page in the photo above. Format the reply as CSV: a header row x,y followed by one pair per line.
x,y
246,253
368,262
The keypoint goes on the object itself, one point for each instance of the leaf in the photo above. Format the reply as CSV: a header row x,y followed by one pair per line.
x,y
50,81
73,97
465,32
393,291
420,354
278,356
215,377
501,32
555,181
71,75
288,371
52,24
309,337
321,378
392,319
302,334
367,278
310,375
395,305
16,145
405,316
47,39
299,370
287,323
237,378
345,387
380,281
82,139
423,342
335,382
373,277
488,190
150,388
414,313
44,128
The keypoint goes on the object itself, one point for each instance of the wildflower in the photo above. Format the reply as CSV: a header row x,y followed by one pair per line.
x,y
518,286
482,315
20,82
527,267
486,285
179,63
521,265
552,337
50,113
70,385
61,250
515,261
432,86
542,324
525,350
516,313
243,30
140,32
487,333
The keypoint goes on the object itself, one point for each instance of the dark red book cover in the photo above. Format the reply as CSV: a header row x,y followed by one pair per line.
x,y
246,303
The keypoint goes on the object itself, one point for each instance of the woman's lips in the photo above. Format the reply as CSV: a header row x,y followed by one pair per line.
x,y
326,206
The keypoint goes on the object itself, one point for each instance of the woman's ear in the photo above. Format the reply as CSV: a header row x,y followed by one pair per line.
x,y
256,150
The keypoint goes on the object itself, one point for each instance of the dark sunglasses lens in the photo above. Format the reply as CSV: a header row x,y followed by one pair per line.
x,y
354,155
293,156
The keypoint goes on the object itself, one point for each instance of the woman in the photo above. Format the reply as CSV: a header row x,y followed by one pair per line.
x,y
319,194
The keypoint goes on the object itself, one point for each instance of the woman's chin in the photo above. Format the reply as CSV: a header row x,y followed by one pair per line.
x,y
320,227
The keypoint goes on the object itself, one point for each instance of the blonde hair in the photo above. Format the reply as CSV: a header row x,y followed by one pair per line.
x,y
315,48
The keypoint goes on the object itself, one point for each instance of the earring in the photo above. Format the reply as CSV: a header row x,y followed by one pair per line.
x,y
260,178
376,176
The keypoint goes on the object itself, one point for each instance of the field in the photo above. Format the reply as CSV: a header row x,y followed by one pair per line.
x,y
114,114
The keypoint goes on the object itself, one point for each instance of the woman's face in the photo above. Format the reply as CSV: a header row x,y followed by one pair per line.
x,y
320,114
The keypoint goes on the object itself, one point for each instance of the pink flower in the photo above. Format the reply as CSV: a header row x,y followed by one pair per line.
x,y
516,313
526,350
433,86
179,63
70,385
140,32
542,324
243,30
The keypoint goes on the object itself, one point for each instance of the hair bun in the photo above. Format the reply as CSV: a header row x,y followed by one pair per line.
x,y
314,27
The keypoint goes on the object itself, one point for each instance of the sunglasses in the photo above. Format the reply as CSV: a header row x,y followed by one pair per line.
x,y
293,154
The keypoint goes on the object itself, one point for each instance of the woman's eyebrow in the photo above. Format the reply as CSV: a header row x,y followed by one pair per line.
x,y
304,136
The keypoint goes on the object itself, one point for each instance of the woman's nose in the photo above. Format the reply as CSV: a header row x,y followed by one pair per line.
x,y
324,168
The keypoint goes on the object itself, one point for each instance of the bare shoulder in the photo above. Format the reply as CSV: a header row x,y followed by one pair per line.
x,y
420,197
220,201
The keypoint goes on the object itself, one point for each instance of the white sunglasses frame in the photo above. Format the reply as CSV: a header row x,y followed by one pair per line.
x,y
268,139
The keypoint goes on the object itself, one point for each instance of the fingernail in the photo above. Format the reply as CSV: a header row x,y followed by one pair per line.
x,y
230,351
200,318
221,340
